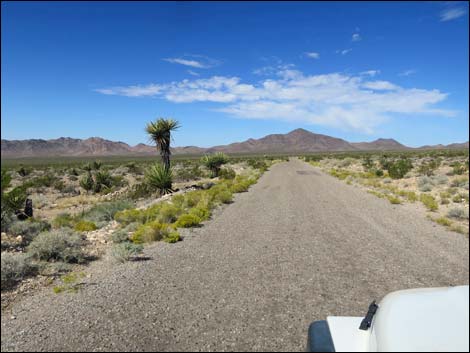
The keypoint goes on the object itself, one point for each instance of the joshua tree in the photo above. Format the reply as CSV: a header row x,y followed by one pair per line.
x,y
160,133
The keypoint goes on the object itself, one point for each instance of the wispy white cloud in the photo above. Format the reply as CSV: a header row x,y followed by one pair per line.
x,y
370,73
356,37
344,51
349,102
452,13
407,72
380,85
196,61
313,55
193,73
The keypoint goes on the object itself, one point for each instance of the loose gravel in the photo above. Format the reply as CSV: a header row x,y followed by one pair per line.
x,y
299,246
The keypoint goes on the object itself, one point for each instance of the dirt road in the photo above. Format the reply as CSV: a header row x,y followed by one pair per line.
x,y
299,246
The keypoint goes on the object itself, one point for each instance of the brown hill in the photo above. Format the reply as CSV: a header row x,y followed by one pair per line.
x,y
296,141
379,145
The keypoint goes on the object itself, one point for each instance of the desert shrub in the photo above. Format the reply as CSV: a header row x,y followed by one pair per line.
x,y
257,164
84,226
398,169
39,201
459,182
346,162
458,168
14,267
393,200
62,244
227,173
440,179
125,251
425,187
429,202
120,236
214,162
460,198
428,168
139,191
201,212
379,172
168,213
87,182
28,229
443,221
105,212
220,194
188,221
130,216
73,172
63,220
151,231
59,185
133,168
159,178
459,213
46,180
172,237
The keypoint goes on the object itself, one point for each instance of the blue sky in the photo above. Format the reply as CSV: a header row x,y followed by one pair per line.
x,y
231,71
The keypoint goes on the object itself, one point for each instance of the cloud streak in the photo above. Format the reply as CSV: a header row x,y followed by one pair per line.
x,y
452,13
347,102
195,61
313,55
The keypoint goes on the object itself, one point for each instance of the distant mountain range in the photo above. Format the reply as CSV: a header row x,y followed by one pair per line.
x,y
296,141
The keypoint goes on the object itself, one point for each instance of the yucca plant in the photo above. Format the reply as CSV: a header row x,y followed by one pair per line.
x,y
97,165
87,182
160,133
214,162
160,178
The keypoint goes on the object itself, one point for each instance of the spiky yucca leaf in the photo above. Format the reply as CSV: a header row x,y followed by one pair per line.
x,y
159,178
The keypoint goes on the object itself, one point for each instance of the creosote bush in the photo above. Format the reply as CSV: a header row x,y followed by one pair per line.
x,y
84,226
60,245
125,251
429,202
15,266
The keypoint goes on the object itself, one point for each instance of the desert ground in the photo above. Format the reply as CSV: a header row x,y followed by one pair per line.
x,y
301,242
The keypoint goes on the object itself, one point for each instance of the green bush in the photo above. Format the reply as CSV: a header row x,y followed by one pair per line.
x,y
130,216
149,232
61,244
28,229
188,221
429,202
168,213
63,220
379,173
159,178
398,169
172,237
227,173
85,226
125,251
428,168
14,267
120,236
443,221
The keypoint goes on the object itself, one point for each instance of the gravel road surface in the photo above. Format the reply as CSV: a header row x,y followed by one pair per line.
x,y
300,245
